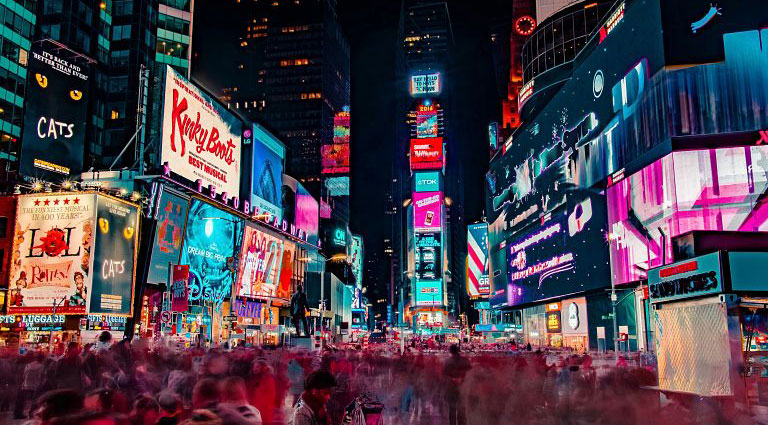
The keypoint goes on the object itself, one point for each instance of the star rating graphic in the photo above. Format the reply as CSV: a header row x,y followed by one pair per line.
x,y
65,201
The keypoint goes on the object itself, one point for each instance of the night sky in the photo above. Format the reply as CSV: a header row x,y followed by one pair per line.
x,y
371,27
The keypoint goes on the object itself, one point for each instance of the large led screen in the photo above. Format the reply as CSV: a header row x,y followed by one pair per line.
x,y
427,153
201,140
428,293
426,181
56,101
425,84
335,158
337,186
427,211
300,208
114,257
212,240
356,259
267,177
426,124
260,261
428,256
716,189
171,215
52,262
564,255
477,260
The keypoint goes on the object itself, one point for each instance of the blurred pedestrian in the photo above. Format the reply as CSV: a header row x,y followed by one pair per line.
x,y
311,407
455,370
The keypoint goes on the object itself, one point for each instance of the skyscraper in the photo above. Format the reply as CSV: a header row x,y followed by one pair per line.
x,y
291,72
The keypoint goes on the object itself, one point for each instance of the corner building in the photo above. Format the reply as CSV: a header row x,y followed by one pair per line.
x,y
641,122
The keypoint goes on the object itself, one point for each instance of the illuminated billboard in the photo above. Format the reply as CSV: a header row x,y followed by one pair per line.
x,y
211,243
335,158
325,210
428,293
286,270
337,186
114,257
341,127
267,172
647,209
166,247
300,208
261,258
426,124
427,181
427,211
426,84
427,153
564,255
56,104
51,261
477,260
356,259
201,139
428,256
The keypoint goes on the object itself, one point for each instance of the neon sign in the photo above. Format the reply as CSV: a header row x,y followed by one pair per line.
x,y
425,84
525,93
701,23
616,17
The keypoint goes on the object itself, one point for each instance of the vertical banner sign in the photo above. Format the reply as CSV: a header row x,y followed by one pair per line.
x,y
286,271
477,261
54,120
179,292
201,140
51,259
115,244
171,214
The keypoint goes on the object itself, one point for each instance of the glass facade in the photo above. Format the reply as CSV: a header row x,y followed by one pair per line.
x,y
559,39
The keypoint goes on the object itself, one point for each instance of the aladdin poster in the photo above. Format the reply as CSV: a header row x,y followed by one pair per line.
x,y
51,262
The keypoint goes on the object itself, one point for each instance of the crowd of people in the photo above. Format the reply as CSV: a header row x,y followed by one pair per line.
x,y
147,383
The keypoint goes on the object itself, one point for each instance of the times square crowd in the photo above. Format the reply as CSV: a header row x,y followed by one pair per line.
x,y
147,382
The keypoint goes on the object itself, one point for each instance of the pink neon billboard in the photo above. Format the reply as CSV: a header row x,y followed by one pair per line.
x,y
427,209
717,189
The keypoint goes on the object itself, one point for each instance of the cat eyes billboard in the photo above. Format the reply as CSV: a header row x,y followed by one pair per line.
x,y
54,121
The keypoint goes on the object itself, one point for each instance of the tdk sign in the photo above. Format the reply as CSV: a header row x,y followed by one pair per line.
x,y
426,181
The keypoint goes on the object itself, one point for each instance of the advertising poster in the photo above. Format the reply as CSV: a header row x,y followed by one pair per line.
x,y
212,238
286,270
51,261
260,262
428,256
267,177
166,249
114,259
200,138
335,158
341,127
427,153
574,316
426,124
325,210
337,186
179,288
54,120
477,260
429,293
427,210
565,255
